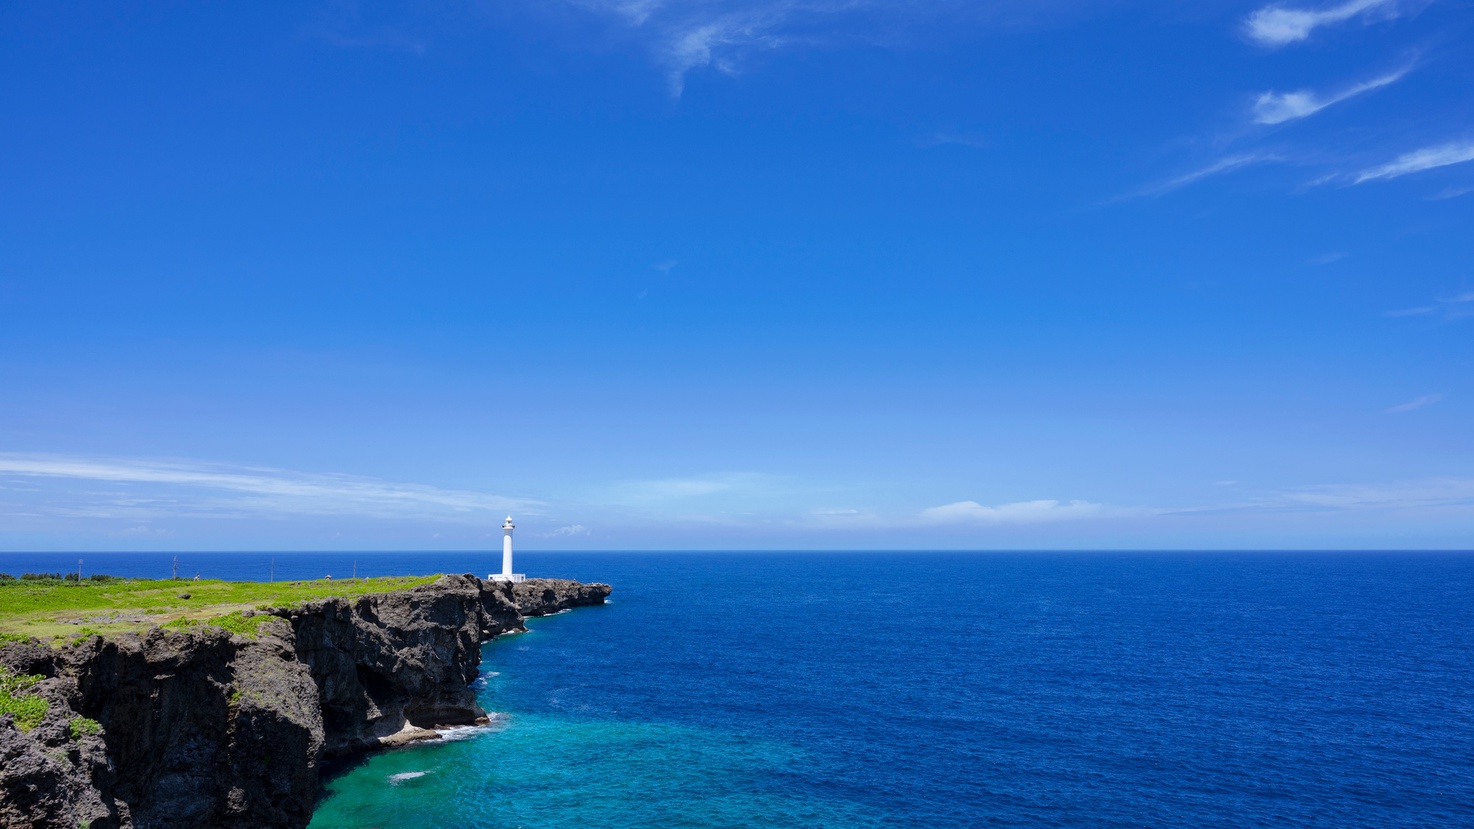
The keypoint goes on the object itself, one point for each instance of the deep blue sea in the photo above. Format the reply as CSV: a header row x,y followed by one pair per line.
x,y
941,690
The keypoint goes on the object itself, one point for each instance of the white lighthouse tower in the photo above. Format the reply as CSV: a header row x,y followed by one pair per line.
x,y
506,574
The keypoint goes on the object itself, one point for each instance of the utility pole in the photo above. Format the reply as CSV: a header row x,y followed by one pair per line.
x,y
79,571
273,571
176,568
355,570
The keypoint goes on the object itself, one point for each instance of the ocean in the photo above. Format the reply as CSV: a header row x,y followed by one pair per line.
x,y
865,690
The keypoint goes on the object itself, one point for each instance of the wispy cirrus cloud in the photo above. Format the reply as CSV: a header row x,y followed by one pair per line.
x,y
943,139
1458,306
101,487
1412,494
1227,164
1428,158
1452,192
1415,404
688,34
1275,26
1279,107
1019,512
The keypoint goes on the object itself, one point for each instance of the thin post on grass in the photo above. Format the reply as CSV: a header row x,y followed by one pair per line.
x,y
176,568
79,572
273,571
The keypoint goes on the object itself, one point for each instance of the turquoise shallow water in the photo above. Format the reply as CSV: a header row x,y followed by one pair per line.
x,y
570,773
1097,691
557,762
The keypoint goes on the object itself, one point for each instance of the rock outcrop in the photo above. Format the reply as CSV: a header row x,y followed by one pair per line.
x,y
544,597
203,728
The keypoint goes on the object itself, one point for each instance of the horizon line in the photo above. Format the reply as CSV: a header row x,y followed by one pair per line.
x,y
866,550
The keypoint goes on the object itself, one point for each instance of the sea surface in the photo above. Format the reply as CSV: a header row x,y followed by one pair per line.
x,y
940,690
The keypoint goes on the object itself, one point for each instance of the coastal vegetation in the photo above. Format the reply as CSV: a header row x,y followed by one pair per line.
x,y
16,700
62,609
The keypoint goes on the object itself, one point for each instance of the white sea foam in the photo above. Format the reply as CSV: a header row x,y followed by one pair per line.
x,y
396,779
466,732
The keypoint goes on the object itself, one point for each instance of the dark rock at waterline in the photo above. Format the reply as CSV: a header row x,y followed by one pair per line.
x,y
203,728
544,597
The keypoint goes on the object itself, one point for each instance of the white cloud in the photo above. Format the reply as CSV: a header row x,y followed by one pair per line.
x,y
1428,158
571,530
1219,167
1020,512
143,531
689,34
1280,26
1416,403
1279,107
155,487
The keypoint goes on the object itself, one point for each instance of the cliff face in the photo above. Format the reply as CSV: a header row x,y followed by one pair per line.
x,y
544,597
207,729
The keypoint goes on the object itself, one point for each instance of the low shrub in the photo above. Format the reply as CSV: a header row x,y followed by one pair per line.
x,y
239,623
235,622
27,708
79,726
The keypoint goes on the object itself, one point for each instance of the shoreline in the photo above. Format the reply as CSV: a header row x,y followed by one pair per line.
x,y
205,727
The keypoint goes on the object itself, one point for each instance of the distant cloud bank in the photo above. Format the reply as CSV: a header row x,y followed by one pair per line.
x,y
1019,512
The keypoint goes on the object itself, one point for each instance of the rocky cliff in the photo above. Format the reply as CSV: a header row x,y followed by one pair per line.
x,y
204,728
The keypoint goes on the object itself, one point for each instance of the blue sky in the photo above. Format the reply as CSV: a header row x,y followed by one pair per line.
x,y
778,274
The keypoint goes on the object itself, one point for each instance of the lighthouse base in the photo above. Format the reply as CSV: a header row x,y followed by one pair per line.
x,y
514,578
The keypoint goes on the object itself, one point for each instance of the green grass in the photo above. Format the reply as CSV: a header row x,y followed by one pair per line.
x,y
67,610
79,726
234,621
27,708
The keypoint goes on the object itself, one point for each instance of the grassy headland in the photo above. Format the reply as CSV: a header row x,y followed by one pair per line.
x,y
62,610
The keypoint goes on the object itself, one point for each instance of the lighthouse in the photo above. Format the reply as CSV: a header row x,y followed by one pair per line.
x,y
506,574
